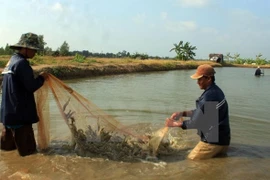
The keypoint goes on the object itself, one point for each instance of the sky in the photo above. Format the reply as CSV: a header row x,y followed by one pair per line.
x,y
143,26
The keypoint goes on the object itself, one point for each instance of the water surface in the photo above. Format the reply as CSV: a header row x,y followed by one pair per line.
x,y
142,99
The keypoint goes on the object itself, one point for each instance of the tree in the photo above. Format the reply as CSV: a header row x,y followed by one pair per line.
x,y
85,53
228,56
8,51
48,51
236,56
42,44
178,48
64,49
259,60
258,56
2,51
56,53
141,56
122,54
189,51
184,51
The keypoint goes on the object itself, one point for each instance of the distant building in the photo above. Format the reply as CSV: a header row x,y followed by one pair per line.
x,y
216,57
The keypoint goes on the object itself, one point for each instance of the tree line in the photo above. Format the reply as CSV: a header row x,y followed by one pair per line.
x,y
184,51
63,50
236,59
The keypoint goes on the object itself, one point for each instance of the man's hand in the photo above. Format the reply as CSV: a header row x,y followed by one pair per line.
x,y
176,115
172,123
45,75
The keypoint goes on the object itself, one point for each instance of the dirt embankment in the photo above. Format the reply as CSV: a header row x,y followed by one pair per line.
x,y
72,72
81,71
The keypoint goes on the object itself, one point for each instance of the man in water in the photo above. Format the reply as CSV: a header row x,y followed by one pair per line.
x,y
210,118
258,71
18,107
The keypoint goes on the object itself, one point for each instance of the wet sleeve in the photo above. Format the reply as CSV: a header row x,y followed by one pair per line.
x,y
198,118
193,122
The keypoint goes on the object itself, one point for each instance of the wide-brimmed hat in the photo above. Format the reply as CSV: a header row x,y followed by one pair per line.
x,y
28,40
203,70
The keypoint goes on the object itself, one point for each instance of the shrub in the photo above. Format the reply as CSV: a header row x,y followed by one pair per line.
x,y
79,58
36,60
261,61
3,63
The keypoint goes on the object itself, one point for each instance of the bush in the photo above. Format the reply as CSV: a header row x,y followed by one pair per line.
x,y
261,61
239,61
36,60
79,58
139,56
3,63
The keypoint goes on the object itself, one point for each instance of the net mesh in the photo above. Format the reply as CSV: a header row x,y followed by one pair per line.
x,y
93,131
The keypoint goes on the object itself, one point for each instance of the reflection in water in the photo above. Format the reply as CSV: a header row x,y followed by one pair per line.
x,y
145,100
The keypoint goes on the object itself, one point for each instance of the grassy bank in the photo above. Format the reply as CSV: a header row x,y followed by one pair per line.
x,y
110,67
70,67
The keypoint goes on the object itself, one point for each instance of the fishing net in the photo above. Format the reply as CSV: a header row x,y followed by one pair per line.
x,y
94,133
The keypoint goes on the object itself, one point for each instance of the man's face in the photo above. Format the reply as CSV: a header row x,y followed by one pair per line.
x,y
204,82
30,53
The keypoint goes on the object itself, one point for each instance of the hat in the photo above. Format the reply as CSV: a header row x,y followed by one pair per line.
x,y
28,40
203,70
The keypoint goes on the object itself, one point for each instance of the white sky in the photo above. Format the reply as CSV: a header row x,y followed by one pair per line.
x,y
144,26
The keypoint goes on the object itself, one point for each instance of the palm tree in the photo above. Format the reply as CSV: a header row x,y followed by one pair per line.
x,y
184,51
258,56
178,48
236,56
228,56
189,51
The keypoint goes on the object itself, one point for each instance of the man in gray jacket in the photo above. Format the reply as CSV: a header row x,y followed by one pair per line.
x,y
210,118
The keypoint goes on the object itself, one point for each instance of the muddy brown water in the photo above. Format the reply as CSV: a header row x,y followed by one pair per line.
x,y
146,99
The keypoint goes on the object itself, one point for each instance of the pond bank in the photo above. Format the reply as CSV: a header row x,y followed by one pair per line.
x,y
73,72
